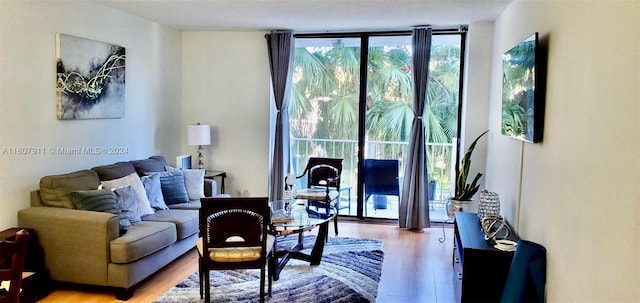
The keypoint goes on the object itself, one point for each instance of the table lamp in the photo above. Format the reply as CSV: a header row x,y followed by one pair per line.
x,y
199,134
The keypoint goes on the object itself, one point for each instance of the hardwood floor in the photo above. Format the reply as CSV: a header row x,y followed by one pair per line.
x,y
416,268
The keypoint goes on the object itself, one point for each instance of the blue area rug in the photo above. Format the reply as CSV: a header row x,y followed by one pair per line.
x,y
349,272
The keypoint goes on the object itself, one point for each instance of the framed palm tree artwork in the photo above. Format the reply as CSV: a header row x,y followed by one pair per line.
x,y
523,91
90,79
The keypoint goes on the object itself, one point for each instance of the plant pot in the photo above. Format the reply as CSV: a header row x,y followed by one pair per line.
x,y
456,205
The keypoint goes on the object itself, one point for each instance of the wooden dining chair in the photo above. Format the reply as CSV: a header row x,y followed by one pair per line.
x,y
12,259
323,184
234,235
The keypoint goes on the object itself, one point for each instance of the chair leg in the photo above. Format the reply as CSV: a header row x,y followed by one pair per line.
x,y
207,287
200,275
335,225
262,274
270,275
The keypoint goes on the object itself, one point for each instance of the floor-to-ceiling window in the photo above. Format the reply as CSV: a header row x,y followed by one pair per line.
x,y
341,106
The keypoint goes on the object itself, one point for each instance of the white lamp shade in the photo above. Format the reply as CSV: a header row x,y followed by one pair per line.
x,y
199,134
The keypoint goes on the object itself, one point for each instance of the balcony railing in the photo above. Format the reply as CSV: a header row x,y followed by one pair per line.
x,y
439,159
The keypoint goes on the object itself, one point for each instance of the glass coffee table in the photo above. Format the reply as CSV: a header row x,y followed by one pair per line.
x,y
296,219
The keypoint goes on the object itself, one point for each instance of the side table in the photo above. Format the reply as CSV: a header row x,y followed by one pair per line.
x,y
212,174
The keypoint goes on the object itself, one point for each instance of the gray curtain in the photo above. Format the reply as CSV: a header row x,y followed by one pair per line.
x,y
280,47
414,201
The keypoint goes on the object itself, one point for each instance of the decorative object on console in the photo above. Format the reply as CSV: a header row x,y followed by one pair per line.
x,y
289,187
489,204
464,192
199,134
90,79
495,227
289,193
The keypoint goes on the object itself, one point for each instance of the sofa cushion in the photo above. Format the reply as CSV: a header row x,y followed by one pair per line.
x,y
186,221
173,188
114,171
154,191
144,206
194,205
152,164
142,239
55,189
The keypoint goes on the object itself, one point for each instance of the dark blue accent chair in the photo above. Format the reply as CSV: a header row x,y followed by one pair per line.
x,y
527,275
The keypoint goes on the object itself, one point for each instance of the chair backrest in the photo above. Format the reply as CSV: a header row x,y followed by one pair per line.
x,y
234,222
13,254
381,177
318,170
528,274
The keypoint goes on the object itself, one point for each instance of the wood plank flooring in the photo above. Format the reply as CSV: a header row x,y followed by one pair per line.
x,y
416,268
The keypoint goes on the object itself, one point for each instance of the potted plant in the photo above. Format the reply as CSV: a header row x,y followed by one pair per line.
x,y
464,191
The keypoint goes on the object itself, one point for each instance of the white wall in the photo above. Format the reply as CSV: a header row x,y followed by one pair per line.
x,y
225,83
580,187
475,108
27,94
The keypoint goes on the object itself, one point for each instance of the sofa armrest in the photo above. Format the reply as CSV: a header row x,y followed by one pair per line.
x,y
73,241
210,188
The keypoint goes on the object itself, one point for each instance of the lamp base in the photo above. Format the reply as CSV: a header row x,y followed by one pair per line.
x,y
200,163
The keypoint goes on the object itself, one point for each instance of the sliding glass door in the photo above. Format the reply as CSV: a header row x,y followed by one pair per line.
x,y
324,108
341,108
387,123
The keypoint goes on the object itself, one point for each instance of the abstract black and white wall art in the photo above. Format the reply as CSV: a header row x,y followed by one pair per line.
x,y
90,79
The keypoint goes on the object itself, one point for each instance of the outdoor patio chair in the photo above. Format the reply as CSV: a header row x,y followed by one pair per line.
x,y
381,178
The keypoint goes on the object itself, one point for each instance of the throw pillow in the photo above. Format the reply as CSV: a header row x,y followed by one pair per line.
x,y
95,200
172,185
141,194
154,191
193,181
102,200
127,200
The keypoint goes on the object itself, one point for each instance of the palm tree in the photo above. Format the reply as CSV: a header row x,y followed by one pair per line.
x,y
327,86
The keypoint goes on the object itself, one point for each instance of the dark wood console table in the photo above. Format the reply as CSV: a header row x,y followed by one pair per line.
x,y
479,270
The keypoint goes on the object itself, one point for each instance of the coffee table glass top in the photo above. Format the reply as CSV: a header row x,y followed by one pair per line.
x,y
299,217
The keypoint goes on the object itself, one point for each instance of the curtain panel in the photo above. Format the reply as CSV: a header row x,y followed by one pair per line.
x,y
280,48
414,199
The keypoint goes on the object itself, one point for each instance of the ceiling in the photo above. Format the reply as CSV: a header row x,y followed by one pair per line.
x,y
308,15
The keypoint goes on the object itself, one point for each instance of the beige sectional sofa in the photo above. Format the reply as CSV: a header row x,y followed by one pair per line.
x,y
91,247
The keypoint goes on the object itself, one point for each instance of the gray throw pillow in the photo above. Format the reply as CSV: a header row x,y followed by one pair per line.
x,y
95,200
126,198
102,200
133,180
154,191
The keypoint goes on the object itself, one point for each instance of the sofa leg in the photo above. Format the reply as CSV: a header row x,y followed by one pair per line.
x,y
124,294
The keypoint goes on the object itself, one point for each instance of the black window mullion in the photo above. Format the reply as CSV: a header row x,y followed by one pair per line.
x,y
364,59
